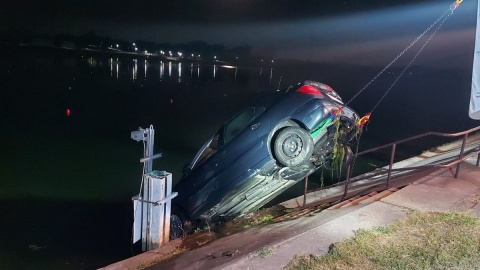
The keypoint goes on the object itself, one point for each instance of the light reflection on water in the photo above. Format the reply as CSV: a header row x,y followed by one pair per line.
x,y
179,72
155,70
145,68
162,70
135,69
170,69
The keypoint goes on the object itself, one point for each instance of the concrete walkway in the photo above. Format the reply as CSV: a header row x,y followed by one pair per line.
x,y
313,234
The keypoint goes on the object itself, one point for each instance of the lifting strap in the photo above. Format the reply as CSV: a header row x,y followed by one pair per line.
x,y
365,119
440,20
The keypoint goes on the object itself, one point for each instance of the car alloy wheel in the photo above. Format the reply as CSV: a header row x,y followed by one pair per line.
x,y
293,147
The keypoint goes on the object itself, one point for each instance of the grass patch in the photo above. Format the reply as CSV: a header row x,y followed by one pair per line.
x,y
256,220
421,241
261,220
206,228
264,252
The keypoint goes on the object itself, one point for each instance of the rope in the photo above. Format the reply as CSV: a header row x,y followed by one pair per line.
x,y
446,13
410,63
365,119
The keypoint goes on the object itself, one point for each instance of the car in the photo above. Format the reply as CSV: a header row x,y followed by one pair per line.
x,y
261,152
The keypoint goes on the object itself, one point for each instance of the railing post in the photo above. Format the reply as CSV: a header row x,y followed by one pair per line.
x,y
392,156
461,154
305,192
347,182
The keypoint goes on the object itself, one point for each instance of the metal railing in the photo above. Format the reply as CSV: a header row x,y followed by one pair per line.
x,y
461,157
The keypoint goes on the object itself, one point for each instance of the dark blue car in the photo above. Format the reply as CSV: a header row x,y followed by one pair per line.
x,y
261,152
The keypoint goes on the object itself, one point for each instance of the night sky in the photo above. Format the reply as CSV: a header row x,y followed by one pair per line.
x,y
362,32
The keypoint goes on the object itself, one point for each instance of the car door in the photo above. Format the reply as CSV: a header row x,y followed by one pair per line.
x,y
234,138
237,154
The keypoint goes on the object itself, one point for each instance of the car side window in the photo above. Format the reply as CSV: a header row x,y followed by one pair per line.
x,y
238,123
207,150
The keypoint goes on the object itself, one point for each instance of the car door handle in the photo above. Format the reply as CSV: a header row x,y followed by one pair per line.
x,y
255,126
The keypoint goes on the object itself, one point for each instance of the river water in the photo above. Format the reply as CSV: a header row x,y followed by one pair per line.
x,y
68,167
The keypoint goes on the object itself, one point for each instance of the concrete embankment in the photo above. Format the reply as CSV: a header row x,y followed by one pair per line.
x,y
435,190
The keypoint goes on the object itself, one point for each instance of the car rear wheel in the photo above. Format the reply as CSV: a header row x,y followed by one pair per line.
x,y
293,147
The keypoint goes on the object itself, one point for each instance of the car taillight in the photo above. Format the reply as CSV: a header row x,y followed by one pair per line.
x,y
307,89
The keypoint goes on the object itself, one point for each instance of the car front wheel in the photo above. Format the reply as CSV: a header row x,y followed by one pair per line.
x,y
180,225
293,147
176,227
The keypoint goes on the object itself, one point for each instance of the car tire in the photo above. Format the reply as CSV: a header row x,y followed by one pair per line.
x,y
176,227
180,225
293,147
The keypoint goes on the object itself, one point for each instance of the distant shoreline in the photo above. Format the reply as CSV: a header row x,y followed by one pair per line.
x,y
50,50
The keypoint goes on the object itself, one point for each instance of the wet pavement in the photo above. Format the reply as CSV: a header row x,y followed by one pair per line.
x,y
272,246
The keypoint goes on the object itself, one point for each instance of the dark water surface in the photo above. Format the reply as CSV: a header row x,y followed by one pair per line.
x,y
68,167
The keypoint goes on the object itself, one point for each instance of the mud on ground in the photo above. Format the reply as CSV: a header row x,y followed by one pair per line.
x,y
211,232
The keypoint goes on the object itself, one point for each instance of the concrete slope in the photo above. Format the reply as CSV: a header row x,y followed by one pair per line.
x,y
273,246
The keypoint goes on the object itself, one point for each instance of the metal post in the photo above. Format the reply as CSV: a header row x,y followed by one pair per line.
x,y
347,182
461,154
167,208
305,192
146,217
148,137
392,156
150,133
